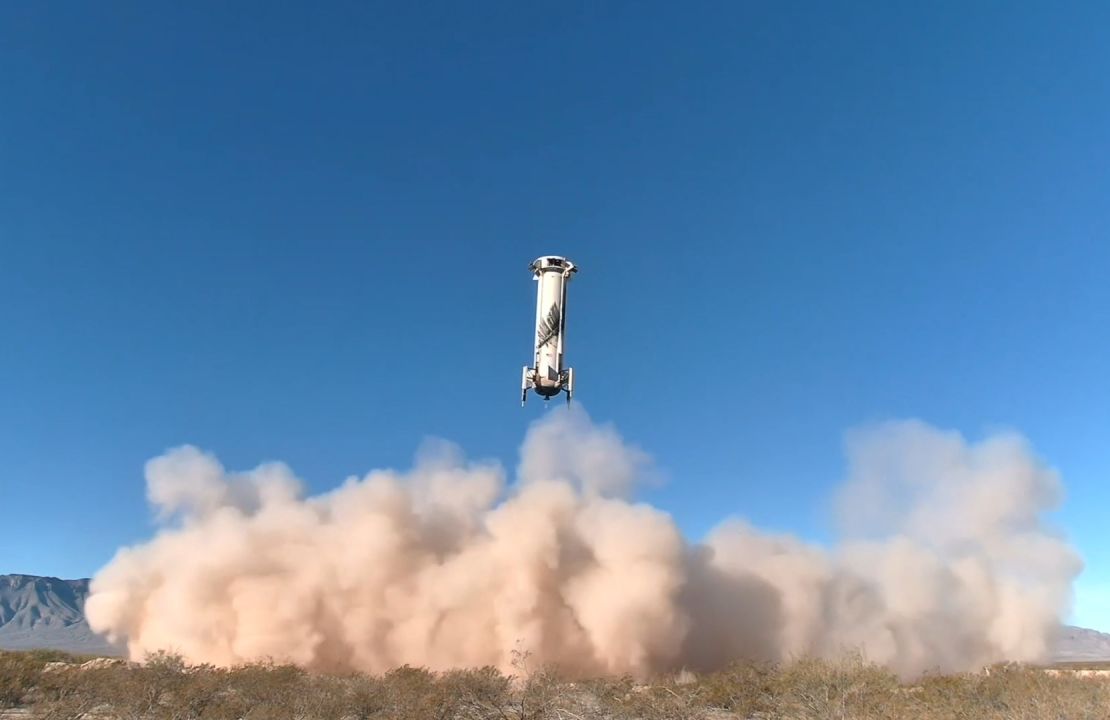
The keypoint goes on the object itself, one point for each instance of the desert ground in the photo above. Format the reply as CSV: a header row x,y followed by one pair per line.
x,y
46,685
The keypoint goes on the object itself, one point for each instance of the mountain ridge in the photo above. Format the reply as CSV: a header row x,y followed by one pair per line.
x,y
39,611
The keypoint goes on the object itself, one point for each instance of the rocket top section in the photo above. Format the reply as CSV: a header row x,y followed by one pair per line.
x,y
553,263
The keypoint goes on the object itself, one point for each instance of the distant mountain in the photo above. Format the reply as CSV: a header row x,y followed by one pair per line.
x,y
47,612
1076,644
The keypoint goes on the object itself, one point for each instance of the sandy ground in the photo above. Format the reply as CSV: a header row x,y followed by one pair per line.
x,y
15,714
1079,672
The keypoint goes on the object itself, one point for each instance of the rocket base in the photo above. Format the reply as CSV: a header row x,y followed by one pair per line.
x,y
565,383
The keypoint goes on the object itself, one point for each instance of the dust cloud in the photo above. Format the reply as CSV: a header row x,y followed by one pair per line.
x,y
944,563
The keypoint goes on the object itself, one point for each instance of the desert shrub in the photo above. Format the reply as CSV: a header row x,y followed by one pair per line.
x,y
1025,693
165,688
155,691
609,694
659,700
413,693
323,697
70,693
476,694
42,657
19,674
259,691
746,689
408,692
365,697
663,697
849,688
158,690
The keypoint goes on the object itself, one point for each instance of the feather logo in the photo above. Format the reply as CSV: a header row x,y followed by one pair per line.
x,y
549,328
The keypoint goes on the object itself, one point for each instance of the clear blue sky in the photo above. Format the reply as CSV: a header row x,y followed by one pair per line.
x,y
285,232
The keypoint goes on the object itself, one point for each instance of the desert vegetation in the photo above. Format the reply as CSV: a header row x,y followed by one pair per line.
x,y
54,686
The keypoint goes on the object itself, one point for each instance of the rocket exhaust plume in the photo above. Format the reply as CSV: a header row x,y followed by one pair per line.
x,y
944,563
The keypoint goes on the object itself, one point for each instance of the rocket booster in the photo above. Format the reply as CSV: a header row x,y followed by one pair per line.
x,y
548,377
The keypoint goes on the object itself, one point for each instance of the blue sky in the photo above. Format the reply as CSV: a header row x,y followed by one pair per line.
x,y
284,232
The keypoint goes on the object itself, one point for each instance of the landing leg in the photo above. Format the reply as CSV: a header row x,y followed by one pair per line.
x,y
525,383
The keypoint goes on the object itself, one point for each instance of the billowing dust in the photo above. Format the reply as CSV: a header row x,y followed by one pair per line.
x,y
943,563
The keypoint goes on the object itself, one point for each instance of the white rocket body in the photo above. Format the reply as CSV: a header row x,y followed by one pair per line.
x,y
548,377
